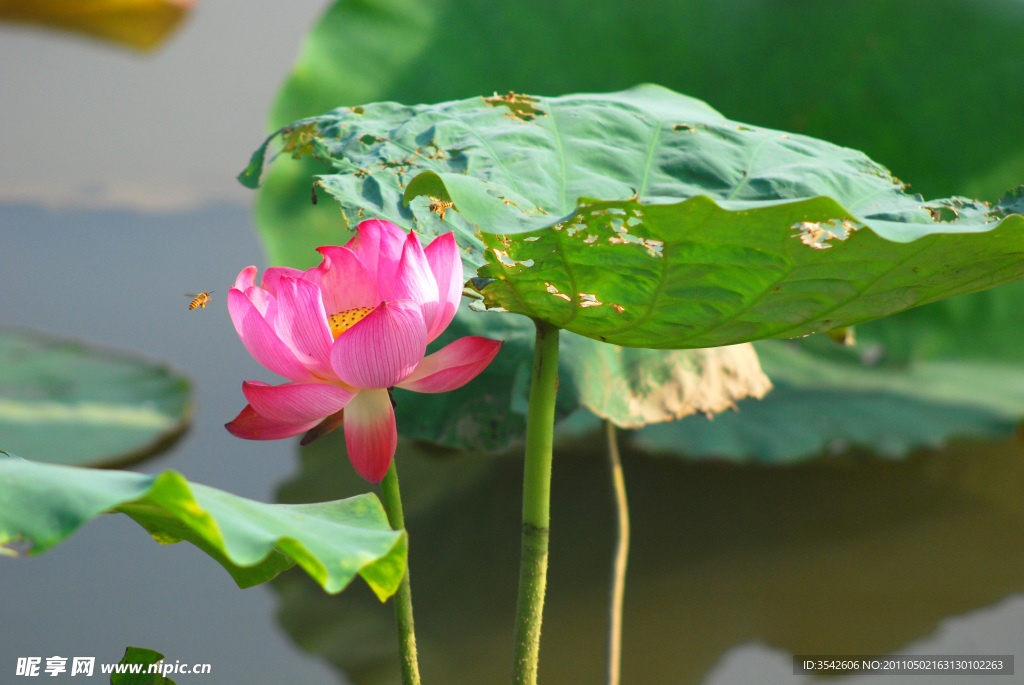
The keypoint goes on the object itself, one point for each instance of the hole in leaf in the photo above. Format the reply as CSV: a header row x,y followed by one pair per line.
x,y
299,141
554,291
816,234
943,214
520,106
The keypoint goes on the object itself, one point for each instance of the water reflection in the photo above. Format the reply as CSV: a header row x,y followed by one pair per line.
x,y
846,555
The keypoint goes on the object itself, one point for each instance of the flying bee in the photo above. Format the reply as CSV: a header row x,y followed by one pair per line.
x,y
439,206
200,300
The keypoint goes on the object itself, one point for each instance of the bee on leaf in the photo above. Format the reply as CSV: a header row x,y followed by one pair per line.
x,y
440,207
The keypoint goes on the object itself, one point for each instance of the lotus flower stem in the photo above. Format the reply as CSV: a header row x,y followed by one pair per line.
x,y
618,588
392,499
536,504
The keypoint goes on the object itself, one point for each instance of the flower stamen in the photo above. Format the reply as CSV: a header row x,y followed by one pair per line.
x,y
342,321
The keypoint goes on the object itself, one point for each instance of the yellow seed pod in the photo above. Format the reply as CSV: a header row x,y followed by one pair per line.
x,y
342,321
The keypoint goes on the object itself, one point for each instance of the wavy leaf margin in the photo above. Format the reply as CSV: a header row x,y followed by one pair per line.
x,y
42,504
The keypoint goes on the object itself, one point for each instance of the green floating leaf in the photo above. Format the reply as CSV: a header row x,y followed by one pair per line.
x,y
67,402
41,504
141,658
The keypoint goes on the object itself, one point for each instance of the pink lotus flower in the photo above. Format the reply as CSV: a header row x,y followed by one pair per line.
x,y
347,331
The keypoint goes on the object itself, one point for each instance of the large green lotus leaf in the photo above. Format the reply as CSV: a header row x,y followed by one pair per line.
x,y
42,504
67,402
708,232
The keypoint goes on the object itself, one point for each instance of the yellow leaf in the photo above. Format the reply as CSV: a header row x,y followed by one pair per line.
x,y
140,24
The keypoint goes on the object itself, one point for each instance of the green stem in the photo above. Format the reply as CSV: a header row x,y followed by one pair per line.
x,y
392,499
618,590
533,565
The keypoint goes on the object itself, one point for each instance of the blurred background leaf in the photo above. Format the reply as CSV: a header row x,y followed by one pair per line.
x,y
66,402
919,377
139,24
